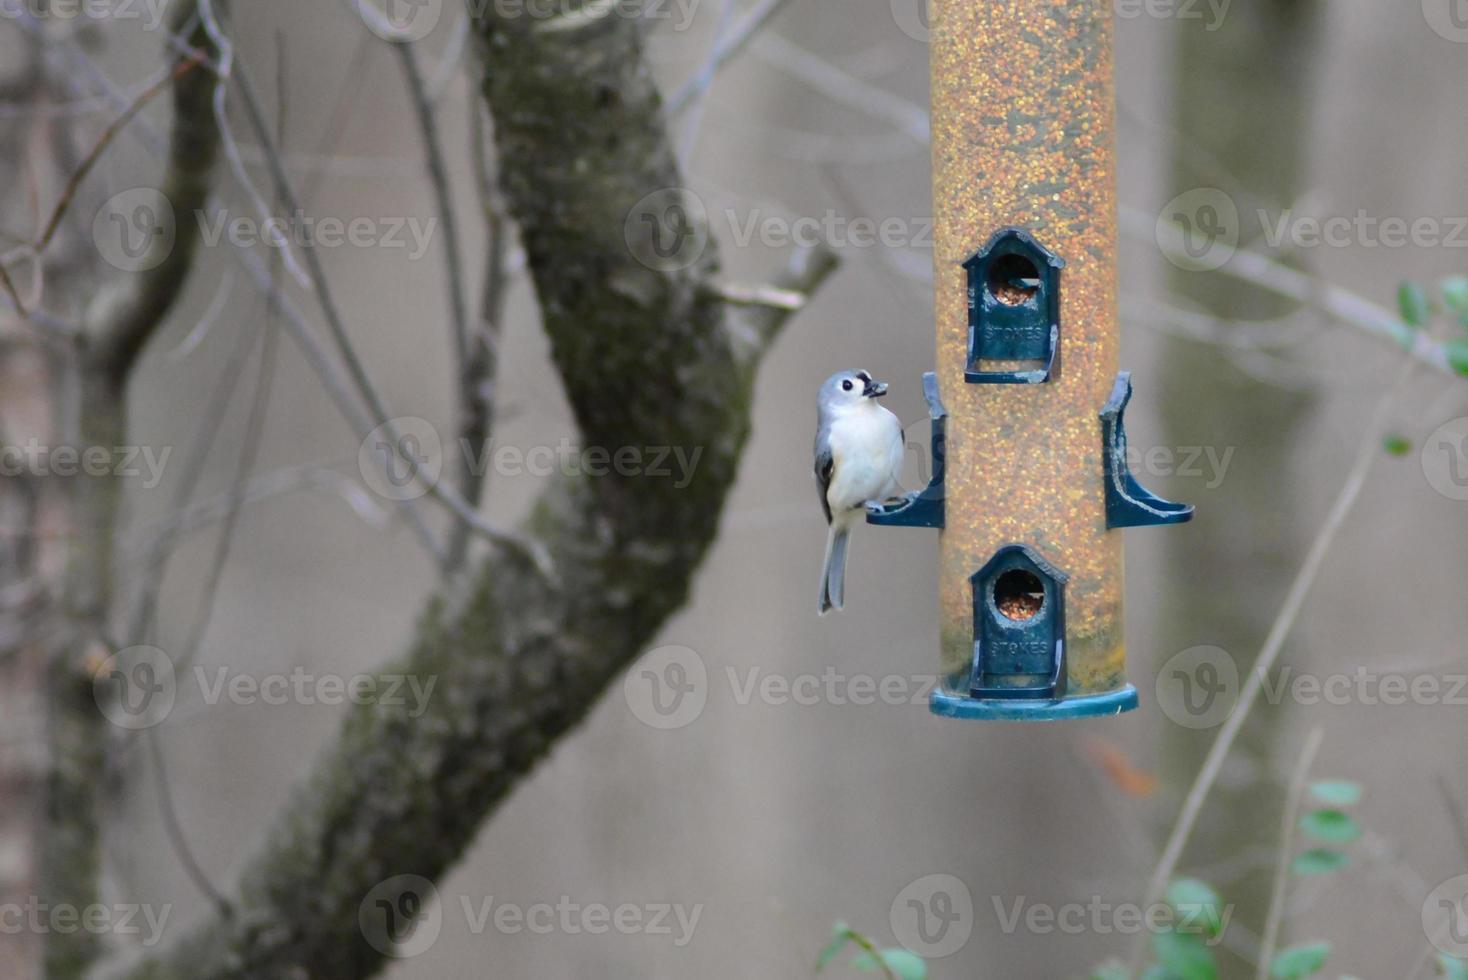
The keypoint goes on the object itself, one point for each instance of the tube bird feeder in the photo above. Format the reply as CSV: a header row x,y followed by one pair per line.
x,y
1030,484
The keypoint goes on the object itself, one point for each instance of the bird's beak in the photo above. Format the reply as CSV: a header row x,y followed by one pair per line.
x,y
875,389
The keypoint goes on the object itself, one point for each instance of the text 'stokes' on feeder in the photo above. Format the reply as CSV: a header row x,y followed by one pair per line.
x,y
1030,486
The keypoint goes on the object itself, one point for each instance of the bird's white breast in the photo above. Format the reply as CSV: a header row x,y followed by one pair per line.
x,y
866,444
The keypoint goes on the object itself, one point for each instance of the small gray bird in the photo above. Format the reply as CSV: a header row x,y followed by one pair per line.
x,y
858,459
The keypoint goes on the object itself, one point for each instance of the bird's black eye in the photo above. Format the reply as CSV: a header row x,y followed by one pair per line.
x,y
846,385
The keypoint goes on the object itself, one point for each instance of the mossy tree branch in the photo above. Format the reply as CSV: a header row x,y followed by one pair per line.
x,y
127,315
649,357
122,321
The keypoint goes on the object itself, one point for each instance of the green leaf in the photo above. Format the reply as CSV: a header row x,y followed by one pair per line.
x,y
1336,792
1184,956
1155,973
903,964
1455,294
1412,300
1452,968
1112,970
840,936
1197,905
1396,444
1331,825
1299,962
1319,861
1457,353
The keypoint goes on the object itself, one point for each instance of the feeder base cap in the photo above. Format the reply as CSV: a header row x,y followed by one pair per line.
x,y
995,709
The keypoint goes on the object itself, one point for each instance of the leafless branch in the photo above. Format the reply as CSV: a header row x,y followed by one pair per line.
x,y
728,47
1368,451
529,656
1286,848
1342,304
437,490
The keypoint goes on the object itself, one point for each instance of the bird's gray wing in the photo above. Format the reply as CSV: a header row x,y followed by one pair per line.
x,y
825,467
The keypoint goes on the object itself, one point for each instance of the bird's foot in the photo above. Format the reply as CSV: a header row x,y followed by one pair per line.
x,y
889,504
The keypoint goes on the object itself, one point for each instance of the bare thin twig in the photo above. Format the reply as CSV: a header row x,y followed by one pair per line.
x,y
10,291
472,414
448,64
843,88
696,106
145,603
224,72
174,829
741,294
254,429
1366,454
437,490
481,369
1264,272
209,510
438,176
728,47
205,323
1286,846
68,193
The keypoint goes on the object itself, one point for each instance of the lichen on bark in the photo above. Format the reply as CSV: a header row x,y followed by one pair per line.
x,y
647,359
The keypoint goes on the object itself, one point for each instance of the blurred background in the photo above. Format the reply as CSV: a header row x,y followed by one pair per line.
x,y
775,818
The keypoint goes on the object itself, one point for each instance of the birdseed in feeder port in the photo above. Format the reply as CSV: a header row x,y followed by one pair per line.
x,y
1013,280
1019,595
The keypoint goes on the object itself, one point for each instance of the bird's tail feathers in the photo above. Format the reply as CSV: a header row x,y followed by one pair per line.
x,y
833,576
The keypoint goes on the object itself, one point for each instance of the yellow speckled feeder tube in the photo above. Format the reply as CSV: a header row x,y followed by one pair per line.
x,y
1033,486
